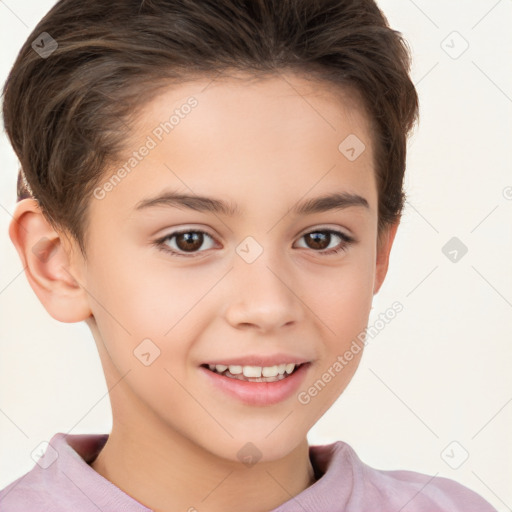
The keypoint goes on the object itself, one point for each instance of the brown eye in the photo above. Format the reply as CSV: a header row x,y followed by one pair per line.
x,y
318,239
321,239
180,243
189,241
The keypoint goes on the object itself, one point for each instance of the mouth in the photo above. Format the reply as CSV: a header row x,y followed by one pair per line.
x,y
256,385
255,373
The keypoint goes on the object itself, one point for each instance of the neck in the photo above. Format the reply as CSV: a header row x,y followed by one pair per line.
x,y
168,473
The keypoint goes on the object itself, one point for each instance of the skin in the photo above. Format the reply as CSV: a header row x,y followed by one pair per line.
x,y
265,145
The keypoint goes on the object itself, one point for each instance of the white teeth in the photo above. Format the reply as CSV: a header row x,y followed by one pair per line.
x,y
269,371
289,368
254,371
235,370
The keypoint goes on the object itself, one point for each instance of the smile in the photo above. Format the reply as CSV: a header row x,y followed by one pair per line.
x,y
257,385
255,373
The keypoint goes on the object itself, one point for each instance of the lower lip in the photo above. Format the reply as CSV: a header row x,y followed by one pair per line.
x,y
259,393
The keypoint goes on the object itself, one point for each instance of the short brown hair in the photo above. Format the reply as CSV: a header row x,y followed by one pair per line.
x,y
67,114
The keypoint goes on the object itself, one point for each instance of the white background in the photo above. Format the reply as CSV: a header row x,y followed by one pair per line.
x,y
438,373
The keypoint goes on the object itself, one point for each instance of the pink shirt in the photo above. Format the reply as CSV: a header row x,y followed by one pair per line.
x,y
63,481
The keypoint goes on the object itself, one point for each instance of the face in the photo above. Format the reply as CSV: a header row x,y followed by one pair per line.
x,y
251,270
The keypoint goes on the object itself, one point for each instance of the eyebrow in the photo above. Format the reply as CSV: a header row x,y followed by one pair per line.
x,y
328,202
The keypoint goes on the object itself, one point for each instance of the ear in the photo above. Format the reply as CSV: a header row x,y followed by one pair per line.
x,y
384,244
46,258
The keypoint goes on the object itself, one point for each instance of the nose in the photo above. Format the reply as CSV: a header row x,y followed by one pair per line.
x,y
262,296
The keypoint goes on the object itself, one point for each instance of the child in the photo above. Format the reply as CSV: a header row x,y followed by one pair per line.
x,y
214,187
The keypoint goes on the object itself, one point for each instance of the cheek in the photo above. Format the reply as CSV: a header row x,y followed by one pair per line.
x,y
345,307
344,296
138,301
139,294
138,320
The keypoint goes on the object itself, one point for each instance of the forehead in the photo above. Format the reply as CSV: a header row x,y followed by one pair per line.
x,y
247,139
267,104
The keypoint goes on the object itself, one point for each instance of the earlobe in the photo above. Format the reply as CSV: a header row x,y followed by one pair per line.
x,y
47,264
384,245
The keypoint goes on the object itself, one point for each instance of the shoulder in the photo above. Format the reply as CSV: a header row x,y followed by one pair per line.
x,y
28,492
52,483
422,493
407,491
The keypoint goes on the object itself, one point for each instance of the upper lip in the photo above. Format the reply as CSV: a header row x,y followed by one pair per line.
x,y
259,360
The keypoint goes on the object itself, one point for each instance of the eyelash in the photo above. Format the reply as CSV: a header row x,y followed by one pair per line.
x,y
161,245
